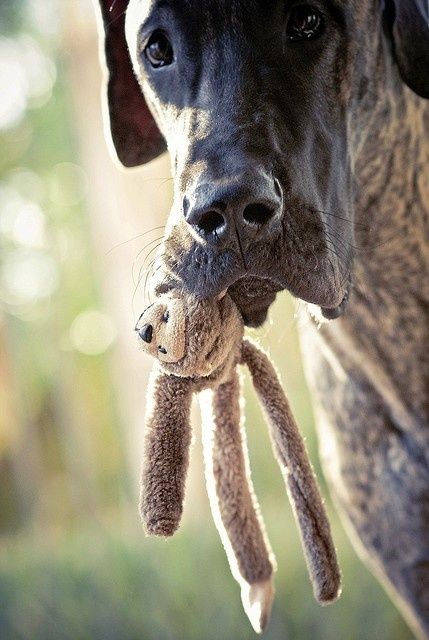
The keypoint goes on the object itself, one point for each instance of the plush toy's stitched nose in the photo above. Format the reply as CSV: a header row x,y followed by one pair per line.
x,y
146,332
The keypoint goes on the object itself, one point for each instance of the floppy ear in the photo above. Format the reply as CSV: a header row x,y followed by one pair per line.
x,y
409,24
135,135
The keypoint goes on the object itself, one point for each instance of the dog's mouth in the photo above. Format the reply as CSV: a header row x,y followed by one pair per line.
x,y
305,268
254,296
336,312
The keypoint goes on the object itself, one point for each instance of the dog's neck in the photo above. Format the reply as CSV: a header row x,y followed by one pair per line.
x,y
392,197
385,330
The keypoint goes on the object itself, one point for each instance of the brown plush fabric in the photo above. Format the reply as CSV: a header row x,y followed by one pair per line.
x,y
202,345
227,468
301,484
166,445
233,502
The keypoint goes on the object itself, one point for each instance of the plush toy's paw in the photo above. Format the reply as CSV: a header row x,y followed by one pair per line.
x,y
164,527
157,518
257,601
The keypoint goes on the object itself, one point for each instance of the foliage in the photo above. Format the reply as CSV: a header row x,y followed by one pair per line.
x,y
102,584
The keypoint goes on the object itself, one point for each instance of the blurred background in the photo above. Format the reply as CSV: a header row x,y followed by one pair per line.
x,y
77,237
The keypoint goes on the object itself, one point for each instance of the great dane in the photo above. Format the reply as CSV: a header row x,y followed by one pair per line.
x,y
299,140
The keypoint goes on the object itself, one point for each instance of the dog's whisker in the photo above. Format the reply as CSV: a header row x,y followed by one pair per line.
x,y
343,247
366,248
343,218
143,274
342,257
343,262
137,285
140,235
120,15
334,274
159,242
149,273
338,237
149,244
151,252
142,271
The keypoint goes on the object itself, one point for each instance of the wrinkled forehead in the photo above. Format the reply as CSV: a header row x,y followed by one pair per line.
x,y
231,10
205,16
203,8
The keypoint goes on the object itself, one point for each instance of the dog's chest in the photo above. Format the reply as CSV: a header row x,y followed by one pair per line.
x,y
371,396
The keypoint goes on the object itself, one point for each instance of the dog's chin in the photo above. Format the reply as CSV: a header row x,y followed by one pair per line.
x,y
332,313
332,302
254,296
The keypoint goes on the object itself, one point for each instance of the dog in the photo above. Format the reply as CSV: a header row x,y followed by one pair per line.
x,y
299,141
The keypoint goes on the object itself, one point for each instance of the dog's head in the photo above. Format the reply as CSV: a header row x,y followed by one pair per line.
x,y
263,107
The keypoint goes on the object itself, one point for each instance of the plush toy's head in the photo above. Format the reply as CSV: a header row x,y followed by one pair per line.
x,y
188,336
162,328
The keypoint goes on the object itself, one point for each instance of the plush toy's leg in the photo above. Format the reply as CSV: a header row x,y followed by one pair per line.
x,y
233,502
166,453
300,481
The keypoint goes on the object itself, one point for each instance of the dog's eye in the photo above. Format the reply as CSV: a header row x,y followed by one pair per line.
x,y
162,350
166,316
304,23
158,50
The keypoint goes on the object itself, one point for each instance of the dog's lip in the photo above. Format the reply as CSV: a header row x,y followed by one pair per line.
x,y
335,312
262,300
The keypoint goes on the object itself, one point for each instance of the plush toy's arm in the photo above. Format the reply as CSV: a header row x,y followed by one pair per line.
x,y
233,502
166,452
300,481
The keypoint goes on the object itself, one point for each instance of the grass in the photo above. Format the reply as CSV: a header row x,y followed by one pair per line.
x,y
106,584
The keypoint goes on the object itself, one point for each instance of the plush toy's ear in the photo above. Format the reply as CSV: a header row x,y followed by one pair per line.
x,y
408,22
135,135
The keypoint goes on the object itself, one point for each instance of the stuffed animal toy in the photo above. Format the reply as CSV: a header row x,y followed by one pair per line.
x,y
198,345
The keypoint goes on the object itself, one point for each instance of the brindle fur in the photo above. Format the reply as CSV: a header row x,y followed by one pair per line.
x,y
348,142
370,368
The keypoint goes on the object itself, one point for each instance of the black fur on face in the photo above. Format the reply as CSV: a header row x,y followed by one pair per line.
x,y
246,106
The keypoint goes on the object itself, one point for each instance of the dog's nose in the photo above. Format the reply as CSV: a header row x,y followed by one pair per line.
x,y
146,333
235,205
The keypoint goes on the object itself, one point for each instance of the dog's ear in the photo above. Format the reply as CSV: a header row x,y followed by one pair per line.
x,y
408,21
135,135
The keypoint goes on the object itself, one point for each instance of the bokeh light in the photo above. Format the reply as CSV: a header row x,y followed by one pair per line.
x,y
27,76
67,184
27,277
92,332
